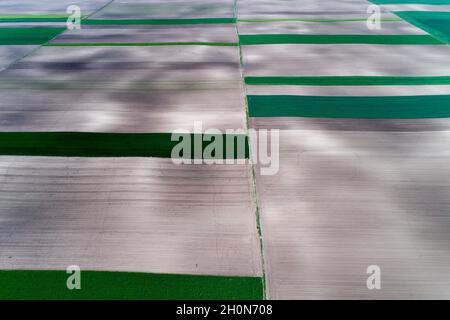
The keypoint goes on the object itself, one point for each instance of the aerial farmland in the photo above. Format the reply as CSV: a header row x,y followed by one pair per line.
x,y
224,149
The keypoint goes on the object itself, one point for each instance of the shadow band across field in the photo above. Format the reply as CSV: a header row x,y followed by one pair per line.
x,y
97,285
84,144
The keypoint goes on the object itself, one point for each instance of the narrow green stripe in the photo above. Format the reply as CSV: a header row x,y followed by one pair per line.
x,y
313,20
253,39
348,81
32,35
434,23
158,21
85,144
124,44
36,19
50,284
395,107
438,2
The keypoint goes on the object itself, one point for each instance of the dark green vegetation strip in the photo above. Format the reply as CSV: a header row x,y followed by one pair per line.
x,y
335,39
157,21
314,20
348,81
39,284
410,1
435,23
122,44
32,35
11,19
389,107
102,144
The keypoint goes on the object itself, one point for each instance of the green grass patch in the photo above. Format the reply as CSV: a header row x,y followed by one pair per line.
x,y
25,35
157,21
42,285
384,107
125,44
435,23
83,144
348,81
255,39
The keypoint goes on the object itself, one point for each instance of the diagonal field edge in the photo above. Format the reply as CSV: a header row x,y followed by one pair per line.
x,y
83,144
257,39
385,107
434,23
28,35
51,284
348,80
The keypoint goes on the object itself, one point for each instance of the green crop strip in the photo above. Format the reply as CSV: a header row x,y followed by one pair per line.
x,y
410,1
314,20
49,284
348,81
386,107
34,18
129,44
82,144
255,39
157,21
27,36
435,23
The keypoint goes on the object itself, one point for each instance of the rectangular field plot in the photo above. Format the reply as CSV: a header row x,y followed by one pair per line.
x,y
123,89
343,27
47,7
220,33
127,214
301,9
145,9
345,200
346,60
